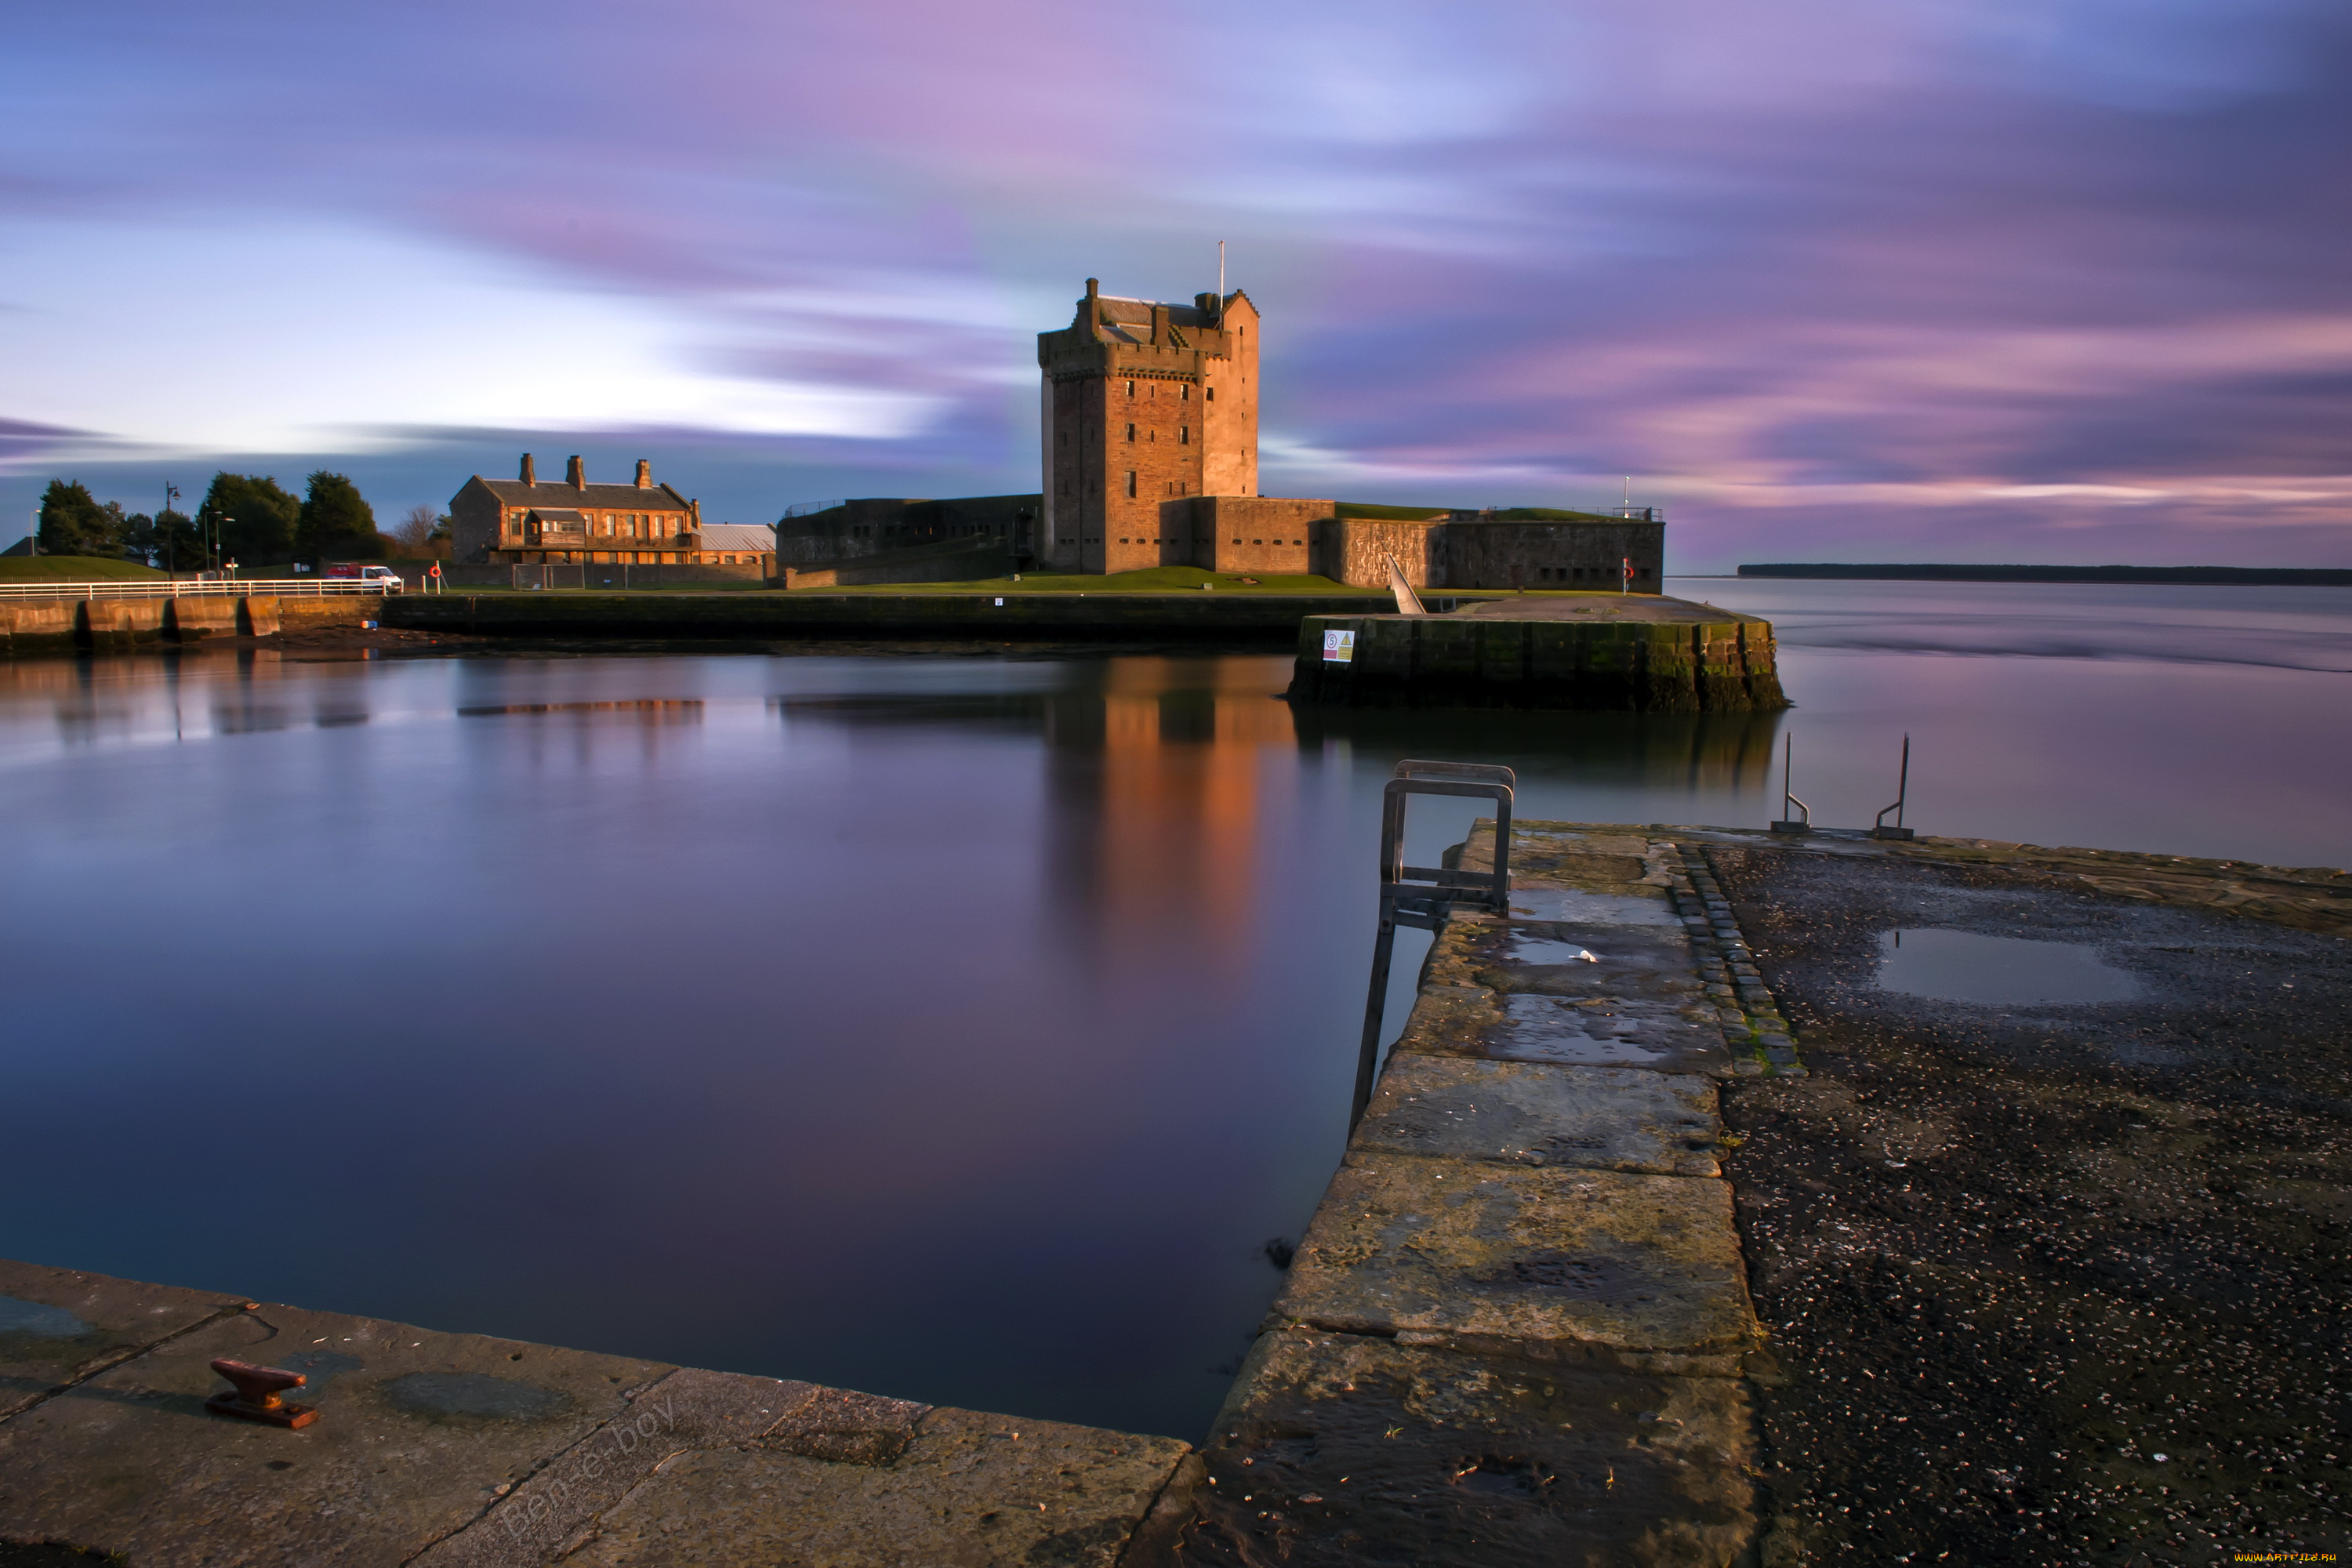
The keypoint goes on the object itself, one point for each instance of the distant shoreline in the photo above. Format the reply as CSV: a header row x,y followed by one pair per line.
x,y
2304,576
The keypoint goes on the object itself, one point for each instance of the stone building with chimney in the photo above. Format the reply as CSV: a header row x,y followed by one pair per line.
x,y
524,521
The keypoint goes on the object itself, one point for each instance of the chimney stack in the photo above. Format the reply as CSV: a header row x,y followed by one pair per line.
x,y
530,470
645,473
575,472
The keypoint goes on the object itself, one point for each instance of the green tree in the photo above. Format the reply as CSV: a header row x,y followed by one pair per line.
x,y
176,547
337,521
73,523
123,533
252,516
138,538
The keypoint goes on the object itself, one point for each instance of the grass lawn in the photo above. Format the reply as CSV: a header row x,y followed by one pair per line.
x,y
1150,580
72,569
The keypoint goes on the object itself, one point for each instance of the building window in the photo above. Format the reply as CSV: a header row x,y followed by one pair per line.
x,y
1184,393
1183,435
1122,541
1130,432
1131,483
1131,389
1208,395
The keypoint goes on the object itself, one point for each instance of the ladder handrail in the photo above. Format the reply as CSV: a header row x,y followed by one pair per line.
x,y
1422,895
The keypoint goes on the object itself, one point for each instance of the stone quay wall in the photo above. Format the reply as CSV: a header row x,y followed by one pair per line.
x,y
1012,617
1446,661
66,625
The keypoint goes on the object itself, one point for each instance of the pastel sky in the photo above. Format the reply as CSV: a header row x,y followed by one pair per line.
x,y
2058,280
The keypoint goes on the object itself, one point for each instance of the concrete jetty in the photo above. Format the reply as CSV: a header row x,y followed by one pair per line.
x,y
1589,651
443,1450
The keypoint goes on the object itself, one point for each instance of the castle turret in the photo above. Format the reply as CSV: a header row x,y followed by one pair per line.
x,y
1144,405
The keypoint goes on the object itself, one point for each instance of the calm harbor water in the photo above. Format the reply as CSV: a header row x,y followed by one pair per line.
x,y
958,1028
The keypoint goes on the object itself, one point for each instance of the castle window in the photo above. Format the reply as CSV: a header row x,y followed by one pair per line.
x,y
1131,483
1130,432
1131,389
1208,395
1183,435
1185,394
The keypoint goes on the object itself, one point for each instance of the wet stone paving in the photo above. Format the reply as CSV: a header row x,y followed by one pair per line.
x,y
2046,1280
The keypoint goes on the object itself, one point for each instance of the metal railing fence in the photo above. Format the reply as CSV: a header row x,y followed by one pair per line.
x,y
147,588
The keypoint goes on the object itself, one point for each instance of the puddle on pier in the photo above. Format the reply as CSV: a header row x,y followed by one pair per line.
x,y
1547,1028
1590,908
1519,949
1964,966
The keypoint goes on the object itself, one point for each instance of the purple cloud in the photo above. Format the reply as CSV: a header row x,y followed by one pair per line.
x,y
2053,282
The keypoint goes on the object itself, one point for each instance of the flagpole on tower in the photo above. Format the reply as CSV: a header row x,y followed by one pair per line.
x,y
1221,269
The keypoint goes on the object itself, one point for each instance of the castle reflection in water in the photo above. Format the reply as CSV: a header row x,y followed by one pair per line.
x,y
1173,781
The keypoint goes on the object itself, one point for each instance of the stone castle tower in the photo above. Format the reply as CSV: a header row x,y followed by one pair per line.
x,y
1145,405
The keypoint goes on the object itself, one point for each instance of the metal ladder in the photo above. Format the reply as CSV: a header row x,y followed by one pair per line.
x,y
1421,896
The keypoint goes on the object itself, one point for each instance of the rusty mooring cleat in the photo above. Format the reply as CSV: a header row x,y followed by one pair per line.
x,y
256,1397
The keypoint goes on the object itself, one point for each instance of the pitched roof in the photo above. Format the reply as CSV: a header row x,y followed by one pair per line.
x,y
597,498
756,537
1139,311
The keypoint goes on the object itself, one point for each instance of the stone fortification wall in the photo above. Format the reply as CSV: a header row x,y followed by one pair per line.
x,y
877,525
1449,662
954,561
1481,552
1253,533
1356,550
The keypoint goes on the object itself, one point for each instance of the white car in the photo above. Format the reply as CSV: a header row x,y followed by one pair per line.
x,y
383,577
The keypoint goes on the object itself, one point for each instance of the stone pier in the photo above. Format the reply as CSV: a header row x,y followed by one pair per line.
x,y
1590,651
1518,1330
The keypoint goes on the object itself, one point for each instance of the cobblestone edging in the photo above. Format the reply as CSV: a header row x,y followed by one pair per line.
x,y
1754,1028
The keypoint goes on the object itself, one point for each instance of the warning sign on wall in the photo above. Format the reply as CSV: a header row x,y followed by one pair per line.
x,y
1339,647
